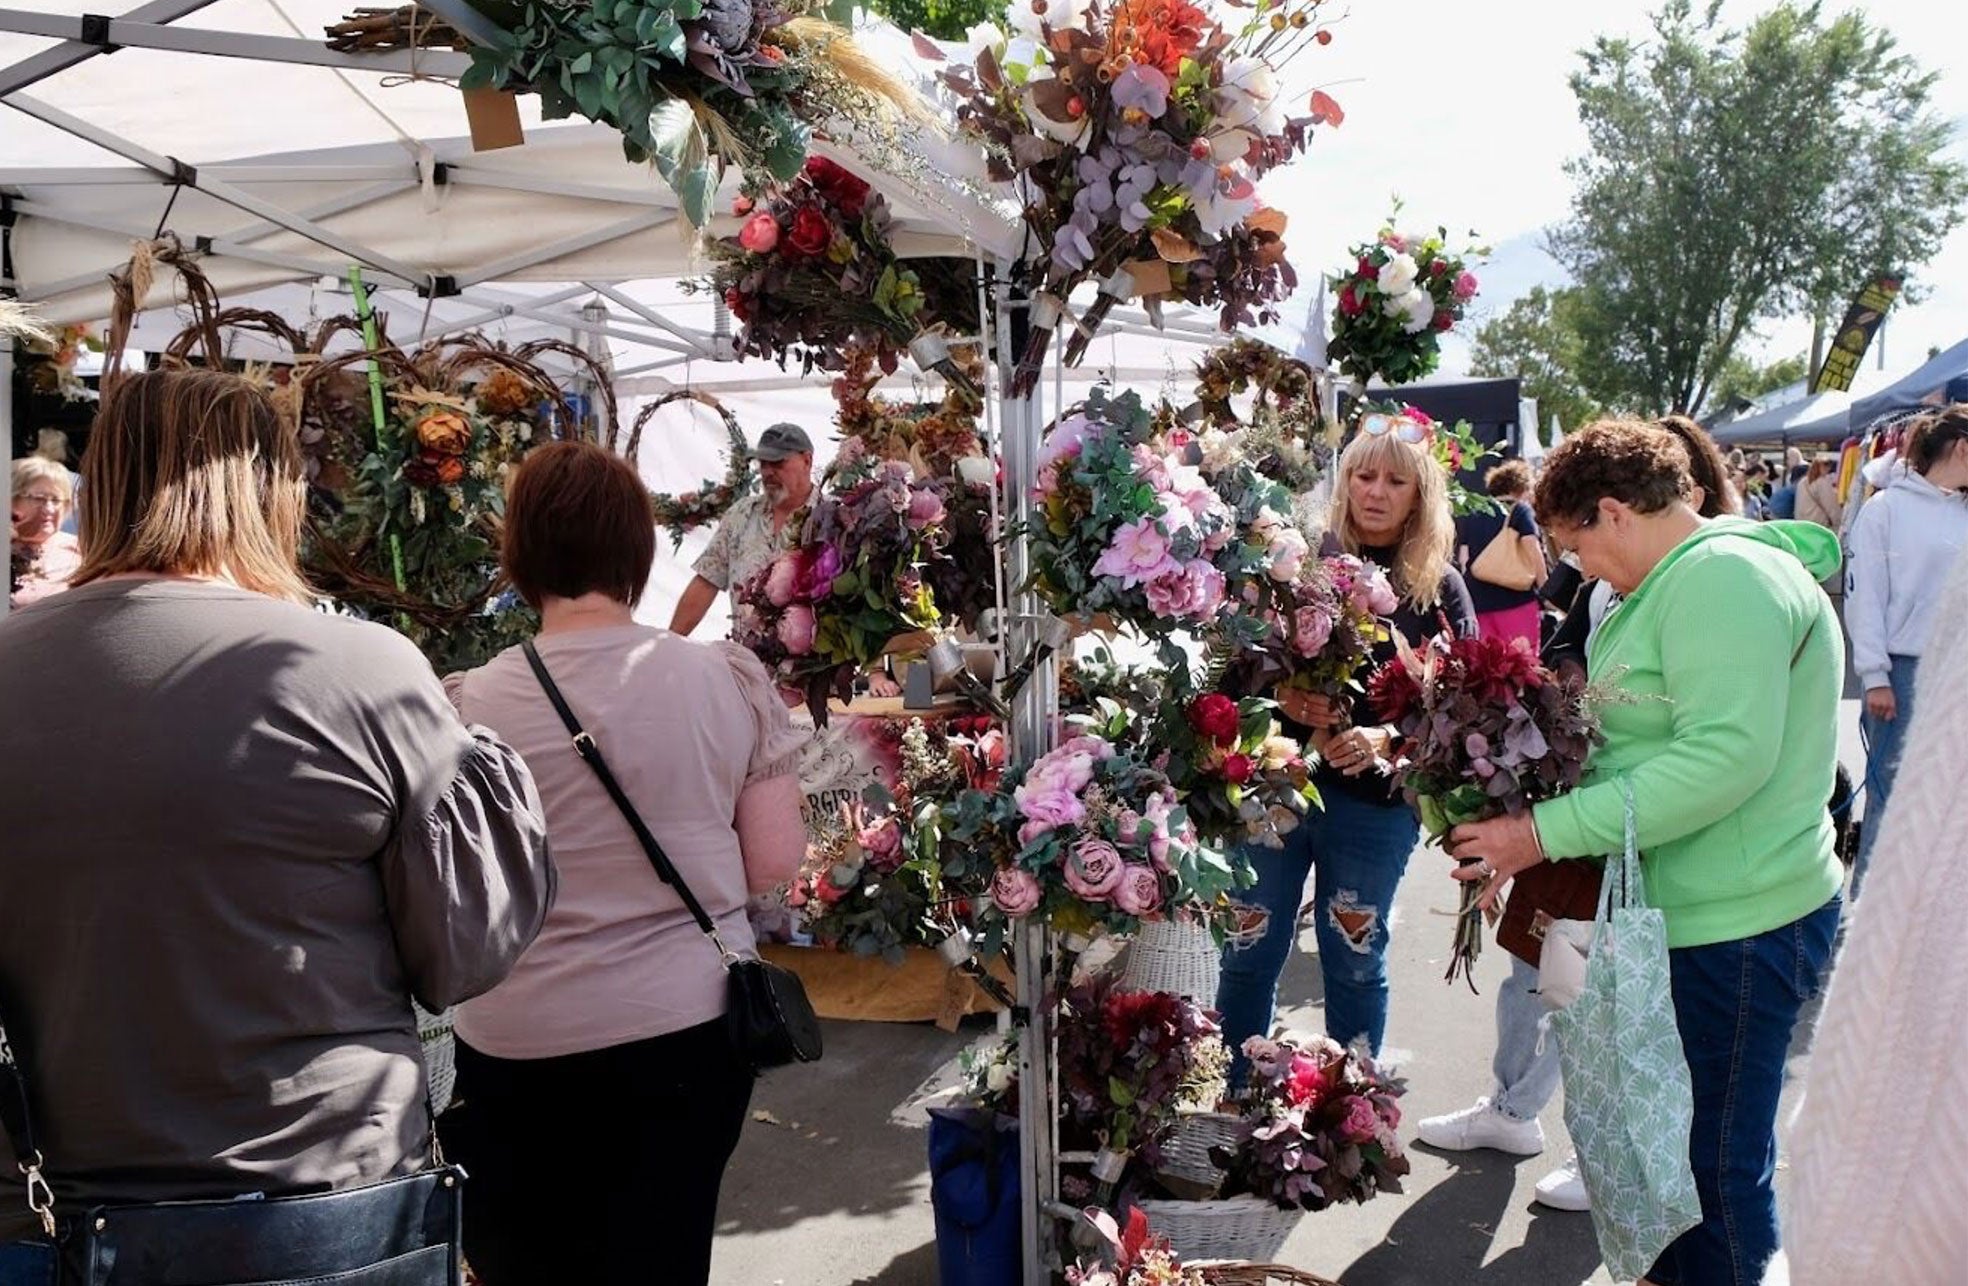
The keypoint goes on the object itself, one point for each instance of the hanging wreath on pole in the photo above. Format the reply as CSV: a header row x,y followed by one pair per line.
x,y
685,512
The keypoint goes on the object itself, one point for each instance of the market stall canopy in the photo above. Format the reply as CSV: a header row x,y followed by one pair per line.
x,y
1822,417
1942,378
278,172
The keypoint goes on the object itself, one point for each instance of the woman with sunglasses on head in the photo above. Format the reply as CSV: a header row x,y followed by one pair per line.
x,y
1390,507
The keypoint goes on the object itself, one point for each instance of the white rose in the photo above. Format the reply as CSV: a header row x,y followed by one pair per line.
x,y
1398,274
998,1079
985,37
1060,15
1248,97
1420,308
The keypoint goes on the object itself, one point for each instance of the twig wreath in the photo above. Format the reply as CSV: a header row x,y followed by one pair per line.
x,y
685,512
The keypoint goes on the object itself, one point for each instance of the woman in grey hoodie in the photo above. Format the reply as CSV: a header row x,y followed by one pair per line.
x,y
1903,543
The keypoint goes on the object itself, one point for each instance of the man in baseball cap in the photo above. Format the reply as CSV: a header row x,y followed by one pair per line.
x,y
755,528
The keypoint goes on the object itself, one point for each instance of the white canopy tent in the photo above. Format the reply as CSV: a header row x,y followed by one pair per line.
x,y
1820,417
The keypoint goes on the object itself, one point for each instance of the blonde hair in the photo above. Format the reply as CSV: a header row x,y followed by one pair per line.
x,y
30,469
192,472
1422,560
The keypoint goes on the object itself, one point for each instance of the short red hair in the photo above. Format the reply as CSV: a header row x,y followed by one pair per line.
x,y
577,522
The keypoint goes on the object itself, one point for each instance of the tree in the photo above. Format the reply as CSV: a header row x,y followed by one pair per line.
x,y
1537,340
1736,176
1742,380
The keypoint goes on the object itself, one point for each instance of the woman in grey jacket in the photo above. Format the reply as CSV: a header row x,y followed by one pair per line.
x,y
1903,543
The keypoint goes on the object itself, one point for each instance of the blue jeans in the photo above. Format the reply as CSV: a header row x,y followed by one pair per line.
x,y
1736,1004
1883,743
1526,1059
1357,852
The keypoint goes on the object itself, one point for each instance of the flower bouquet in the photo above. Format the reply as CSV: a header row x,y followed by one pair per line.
x,y
1140,1258
1090,837
1323,619
694,86
1402,295
1138,129
1127,528
812,274
1128,1061
820,612
1319,1126
1485,731
872,881
1239,777
935,438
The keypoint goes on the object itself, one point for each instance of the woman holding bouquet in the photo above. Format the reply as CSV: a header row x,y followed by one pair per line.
x,y
1390,508
1734,657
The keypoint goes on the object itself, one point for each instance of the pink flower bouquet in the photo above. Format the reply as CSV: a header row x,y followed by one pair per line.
x,y
1319,1126
1321,626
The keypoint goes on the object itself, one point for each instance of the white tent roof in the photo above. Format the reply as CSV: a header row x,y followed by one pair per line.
x,y
1820,417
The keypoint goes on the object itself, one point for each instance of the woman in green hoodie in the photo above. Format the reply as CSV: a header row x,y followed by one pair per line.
x,y
1733,656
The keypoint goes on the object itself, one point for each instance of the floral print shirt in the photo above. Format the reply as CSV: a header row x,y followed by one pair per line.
x,y
744,543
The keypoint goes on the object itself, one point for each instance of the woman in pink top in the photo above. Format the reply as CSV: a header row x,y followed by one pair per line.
x,y
43,557
602,1061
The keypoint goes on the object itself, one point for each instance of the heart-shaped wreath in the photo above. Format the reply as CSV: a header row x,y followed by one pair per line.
x,y
690,510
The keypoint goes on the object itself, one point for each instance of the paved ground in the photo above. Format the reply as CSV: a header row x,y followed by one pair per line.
x,y
834,1189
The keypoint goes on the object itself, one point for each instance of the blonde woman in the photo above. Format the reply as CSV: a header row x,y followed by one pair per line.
x,y
1390,507
43,556
261,831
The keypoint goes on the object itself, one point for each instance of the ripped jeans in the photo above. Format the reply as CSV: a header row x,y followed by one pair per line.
x,y
1357,852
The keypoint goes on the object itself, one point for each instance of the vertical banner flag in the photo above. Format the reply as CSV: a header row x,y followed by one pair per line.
x,y
1841,360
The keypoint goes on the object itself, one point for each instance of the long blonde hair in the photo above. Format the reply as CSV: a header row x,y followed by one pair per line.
x,y
1427,540
193,473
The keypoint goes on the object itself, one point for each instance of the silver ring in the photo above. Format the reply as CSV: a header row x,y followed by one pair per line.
x,y
1484,869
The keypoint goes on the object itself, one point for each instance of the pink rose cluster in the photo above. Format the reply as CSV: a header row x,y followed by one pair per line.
x,y
1167,553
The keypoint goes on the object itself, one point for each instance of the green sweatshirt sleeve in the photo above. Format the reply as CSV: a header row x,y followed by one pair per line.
x,y
1724,641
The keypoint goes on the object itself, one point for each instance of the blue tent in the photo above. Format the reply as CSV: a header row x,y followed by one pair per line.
x,y
1941,379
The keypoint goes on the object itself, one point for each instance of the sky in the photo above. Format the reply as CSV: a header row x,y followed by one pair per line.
x,y
1464,111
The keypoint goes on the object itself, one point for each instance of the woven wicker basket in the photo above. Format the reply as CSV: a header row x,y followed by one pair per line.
x,y
1246,1228
1186,1150
440,1044
1174,956
1233,1273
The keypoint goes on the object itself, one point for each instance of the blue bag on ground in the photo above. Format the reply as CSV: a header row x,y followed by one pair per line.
x,y
973,1188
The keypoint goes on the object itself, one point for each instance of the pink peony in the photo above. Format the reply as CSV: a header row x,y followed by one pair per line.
x,y
1373,591
796,629
1016,891
1128,827
1311,629
760,235
816,579
1194,591
1287,553
1140,553
925,508
1157,817
782,581
1149,467
1046,804
1093,869
1465,286
883,844
1065,442
1140,891
1360,1123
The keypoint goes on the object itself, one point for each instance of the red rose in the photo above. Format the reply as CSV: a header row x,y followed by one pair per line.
x,y
1444,319
1350,303
734,299
1238,768
1367,268
838,186
1437,268
1214,716
809,236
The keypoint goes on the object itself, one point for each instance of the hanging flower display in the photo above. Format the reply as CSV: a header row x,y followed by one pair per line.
x,y
1139,129
812,275
1403,293
935,438
694,86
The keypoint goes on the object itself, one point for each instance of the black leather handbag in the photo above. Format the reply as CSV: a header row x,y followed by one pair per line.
x,y
401,1232
769,1017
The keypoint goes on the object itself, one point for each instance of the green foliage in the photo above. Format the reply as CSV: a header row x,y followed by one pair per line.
x,y
943,19
1536,340
1736,176
1743,380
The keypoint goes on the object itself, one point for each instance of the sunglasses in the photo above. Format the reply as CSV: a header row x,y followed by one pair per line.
x,y
1377,424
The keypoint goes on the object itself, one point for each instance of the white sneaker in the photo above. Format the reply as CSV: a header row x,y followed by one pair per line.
x,y
1481,1126
1564,1188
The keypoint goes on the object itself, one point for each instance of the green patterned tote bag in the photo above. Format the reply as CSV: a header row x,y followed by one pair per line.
x,y
1628,1101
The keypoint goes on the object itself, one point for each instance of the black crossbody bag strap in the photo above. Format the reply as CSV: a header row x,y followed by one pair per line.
x,y
584,745
18,1121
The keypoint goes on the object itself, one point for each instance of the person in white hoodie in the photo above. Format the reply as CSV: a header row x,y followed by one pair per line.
x,y
1903,543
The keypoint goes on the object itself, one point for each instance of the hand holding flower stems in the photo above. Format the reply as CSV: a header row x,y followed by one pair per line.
x,y
1494,852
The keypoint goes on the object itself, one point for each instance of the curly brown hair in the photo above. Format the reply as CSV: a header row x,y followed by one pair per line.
x,y
1631,461
1511,478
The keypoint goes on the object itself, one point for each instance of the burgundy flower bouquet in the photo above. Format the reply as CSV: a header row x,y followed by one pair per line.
x,y
1485,731
1127,1061
1319,1126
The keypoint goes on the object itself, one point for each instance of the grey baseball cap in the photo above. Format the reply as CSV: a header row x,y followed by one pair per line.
x,y
782,440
